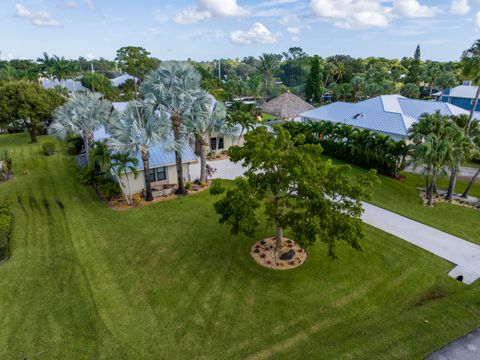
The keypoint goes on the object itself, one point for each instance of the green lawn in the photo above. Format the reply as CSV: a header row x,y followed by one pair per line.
x,y
403,198
167,281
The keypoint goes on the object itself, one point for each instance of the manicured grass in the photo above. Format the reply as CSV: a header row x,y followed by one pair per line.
x,y
268,117
167,281
402,197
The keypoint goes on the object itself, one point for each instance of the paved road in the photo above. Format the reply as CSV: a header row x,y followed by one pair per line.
x,y
464,254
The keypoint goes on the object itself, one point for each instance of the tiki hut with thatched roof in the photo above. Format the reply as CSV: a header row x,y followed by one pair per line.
x,y
286,106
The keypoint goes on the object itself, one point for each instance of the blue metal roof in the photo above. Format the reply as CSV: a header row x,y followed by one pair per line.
x,y
158,155
389,114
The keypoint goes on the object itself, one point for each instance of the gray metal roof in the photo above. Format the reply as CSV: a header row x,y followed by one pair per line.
x,y
122,79
389,114
158,155
69,84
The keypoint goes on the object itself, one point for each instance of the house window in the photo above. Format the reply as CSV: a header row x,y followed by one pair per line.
x,y
213,144
158,174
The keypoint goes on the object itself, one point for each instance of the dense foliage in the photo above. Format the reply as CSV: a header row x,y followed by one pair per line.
x,y
360,147
27,106
5,230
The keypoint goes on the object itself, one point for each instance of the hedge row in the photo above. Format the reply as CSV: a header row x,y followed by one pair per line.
x,y
5,229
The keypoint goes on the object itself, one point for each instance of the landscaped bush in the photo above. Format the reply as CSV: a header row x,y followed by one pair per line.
x,y
5,229
48,148
5,164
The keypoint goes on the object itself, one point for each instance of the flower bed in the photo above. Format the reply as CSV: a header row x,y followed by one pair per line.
x,y
263,252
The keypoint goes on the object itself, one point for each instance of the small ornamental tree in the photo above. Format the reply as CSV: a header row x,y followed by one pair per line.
x,y
311,198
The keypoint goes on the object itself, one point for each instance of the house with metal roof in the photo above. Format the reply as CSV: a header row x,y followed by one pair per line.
x,y
390,115
462,96
120,80
162,173
70,85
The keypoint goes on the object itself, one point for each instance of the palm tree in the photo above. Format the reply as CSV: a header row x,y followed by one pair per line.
x,y
134,132
433,137
171,91
471,69
204,122
82,115
62,69
445,80
46,66
268,65
124,163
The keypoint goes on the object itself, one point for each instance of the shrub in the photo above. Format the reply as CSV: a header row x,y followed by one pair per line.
x,y
188,186
5,228
108,187
48,148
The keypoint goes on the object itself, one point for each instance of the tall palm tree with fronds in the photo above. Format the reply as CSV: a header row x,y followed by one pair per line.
x,y
206,121
268,64
433,136
134,132
81,115
171,90
471,69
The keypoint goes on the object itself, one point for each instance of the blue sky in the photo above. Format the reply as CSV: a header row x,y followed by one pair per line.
x,y
208,29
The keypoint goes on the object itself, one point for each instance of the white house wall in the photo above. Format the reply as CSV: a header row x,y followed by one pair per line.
x,y
138,184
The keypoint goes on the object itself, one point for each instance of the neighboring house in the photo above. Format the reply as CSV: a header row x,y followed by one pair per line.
x,y
390,115
462,96
122,79
70,85
286,107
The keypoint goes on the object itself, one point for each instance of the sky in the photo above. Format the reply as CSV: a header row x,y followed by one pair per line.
x,y
211,29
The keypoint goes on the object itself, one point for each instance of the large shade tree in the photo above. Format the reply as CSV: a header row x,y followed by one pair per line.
x,y
25,105
81,115
135,131
301,192
171,90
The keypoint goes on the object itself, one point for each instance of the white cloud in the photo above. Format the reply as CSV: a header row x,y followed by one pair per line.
x,y
39,18
352,13
90,4
294,29
413,9
191,16
209,9
258,33
71,4
477,20
460,7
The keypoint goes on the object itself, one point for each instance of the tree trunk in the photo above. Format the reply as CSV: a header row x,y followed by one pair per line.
x,y
33,134
146,171
470,184
203,160
472,113
451,185
278,235
431,190
129,199
122,188
178,155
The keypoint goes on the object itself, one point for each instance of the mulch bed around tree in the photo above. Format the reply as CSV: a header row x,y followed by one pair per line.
x,y
263,252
